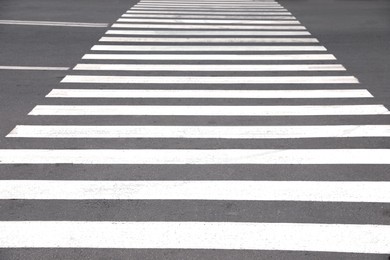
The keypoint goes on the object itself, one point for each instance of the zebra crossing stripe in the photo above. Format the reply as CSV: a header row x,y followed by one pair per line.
x,y
207,26
210,33
224,132
211,5
180,16
180,48
230,14
219,9
210,80
174,93
374,239
214,67
216,14
210,110
324,191
202,21
209,40
196,156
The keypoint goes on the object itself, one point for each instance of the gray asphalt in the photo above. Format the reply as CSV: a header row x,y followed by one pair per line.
x,y
357,32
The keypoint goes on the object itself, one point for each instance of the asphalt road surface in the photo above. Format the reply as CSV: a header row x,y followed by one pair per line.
x,y
215,129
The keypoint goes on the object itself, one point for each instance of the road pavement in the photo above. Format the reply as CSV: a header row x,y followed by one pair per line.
x,y
208,130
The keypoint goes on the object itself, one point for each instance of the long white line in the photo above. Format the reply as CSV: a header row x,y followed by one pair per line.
x,y
220,9
237,2
254,10
375,192
210,80
347,238
216,14
209,5
214,1
83,110
50,23
218,132
201,21
229,7
212,67
208,40
179,93
208,33
32,68
210,16
226,13
209,26
195,156
178,48
209,2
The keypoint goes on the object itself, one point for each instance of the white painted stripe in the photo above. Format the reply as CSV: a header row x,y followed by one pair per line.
x,y
247,3
210,16
342,191
177,48
179,93
244,3
212,6
31,68
215,1
218,132
209,26
347,238
212,67
226,13
217,14
204,1
209,3
211,80
50,23
220,9
195,156
208,40
241,5
238,2
209,33
84,110
253,10
202,21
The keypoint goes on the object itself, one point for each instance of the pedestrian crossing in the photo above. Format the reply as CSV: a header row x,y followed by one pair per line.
x,y
220,125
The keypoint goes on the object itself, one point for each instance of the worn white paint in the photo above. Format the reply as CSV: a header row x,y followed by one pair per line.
x,y
51,23
210,110
208,33
195,156
324,191
181,16
207,26
206,93
211,80
203,21
208,40
32,68
206,48
207,67
219,132
348,238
